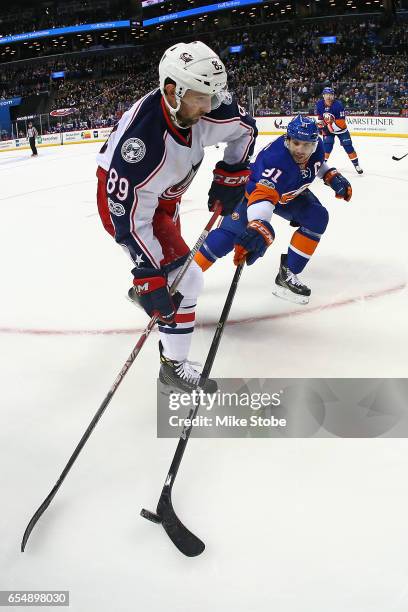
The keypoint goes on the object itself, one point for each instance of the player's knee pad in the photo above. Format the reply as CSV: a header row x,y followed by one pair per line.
x,y
192,283
320,221
316,223
328,142
219,242
346,143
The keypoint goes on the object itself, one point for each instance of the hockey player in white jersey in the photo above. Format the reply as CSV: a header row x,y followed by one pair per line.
x,y
148,162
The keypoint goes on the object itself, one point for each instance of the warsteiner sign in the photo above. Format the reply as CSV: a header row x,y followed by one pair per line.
x,y
357,124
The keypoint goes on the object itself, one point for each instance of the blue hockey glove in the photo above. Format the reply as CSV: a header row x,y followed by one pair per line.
x,y
339,184
253,243
228,186
153,294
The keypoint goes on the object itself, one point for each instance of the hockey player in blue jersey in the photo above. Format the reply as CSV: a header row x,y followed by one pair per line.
x,y
279,184
331,120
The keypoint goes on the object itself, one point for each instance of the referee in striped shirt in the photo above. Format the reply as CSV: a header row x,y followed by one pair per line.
x,y
32,135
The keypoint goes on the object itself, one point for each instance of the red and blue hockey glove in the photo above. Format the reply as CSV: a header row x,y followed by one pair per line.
x,y
339,184
253,243
228,186
153,294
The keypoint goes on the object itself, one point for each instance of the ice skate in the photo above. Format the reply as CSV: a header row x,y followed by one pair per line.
x,y
182,375
288,286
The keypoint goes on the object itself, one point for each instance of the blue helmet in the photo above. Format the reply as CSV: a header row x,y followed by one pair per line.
x,y
328,90
303,128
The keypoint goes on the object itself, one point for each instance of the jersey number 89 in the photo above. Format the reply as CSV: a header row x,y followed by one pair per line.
x,y
121,187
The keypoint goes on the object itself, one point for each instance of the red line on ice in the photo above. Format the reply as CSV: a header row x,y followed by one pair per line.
x,y
271,317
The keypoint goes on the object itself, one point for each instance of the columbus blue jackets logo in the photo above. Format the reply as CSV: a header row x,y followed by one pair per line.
x,y
133,150
241,110
175,191
115,208
186,57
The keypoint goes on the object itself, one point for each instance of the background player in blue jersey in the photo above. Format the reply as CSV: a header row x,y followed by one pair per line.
x,y
279,183
331,120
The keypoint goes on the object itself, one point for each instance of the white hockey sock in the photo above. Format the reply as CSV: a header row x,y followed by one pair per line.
x,y
177,340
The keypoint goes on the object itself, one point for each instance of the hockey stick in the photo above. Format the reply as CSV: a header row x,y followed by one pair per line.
x,y
38,513
395,158
187,543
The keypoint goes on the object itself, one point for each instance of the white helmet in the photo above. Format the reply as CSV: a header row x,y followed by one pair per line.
x,y
194,66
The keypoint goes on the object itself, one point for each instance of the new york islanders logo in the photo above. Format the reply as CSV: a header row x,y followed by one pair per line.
x,y
328,118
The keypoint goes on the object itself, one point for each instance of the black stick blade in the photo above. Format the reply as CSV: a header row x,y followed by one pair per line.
x,y
150,516
34,519
187,543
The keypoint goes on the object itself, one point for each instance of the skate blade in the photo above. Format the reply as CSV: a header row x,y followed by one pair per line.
x,y
289,296
167,389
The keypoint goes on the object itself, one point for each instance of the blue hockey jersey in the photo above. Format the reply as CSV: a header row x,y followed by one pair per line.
x,y
333,116
276,178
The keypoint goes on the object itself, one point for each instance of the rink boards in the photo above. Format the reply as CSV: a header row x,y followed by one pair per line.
x,y
359,125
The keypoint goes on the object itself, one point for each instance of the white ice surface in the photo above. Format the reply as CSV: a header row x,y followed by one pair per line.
x,y
310,525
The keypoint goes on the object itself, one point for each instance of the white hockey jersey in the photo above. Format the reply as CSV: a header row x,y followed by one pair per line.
x,y
150,161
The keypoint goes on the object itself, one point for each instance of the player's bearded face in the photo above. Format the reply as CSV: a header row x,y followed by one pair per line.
x,y
193,106
300,150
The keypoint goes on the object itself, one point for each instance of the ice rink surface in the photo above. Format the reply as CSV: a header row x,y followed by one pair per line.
x,y
292,525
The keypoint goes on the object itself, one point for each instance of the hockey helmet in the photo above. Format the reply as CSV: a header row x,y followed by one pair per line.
x,y
303,128
194,66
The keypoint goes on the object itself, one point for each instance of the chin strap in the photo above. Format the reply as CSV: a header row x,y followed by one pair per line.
x,y
173,111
